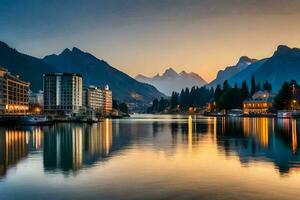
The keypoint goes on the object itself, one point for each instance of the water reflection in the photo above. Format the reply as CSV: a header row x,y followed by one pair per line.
x,y
15,144
68,148
261,139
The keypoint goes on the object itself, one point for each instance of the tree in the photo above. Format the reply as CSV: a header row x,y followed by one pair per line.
x,y
163,104
282,99
258,87
235,86
231,99
174,100
267,86
226,85
245,90
182,98
154,107
185,98
253,86
196,97
217,95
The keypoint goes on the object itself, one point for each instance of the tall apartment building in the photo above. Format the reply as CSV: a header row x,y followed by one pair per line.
x,y
62,92
98,99
13,94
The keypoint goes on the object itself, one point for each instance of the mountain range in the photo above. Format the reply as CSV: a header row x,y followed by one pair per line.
x,y
283,65
171,81
93,70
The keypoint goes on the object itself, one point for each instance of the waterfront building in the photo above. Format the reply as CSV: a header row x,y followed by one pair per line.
x,y
13,94
62,93
107,106
97,98
260,103
93,98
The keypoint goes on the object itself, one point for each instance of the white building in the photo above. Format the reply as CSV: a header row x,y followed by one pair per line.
x,y
62,92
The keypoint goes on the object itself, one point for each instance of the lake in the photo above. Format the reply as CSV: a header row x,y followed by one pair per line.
x,y
153,157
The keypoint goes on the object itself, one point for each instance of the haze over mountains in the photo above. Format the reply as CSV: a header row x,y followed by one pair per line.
x,y
94,71
283,65
171,81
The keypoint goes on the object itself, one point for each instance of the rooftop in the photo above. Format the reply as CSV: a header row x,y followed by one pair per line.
x,y
63,74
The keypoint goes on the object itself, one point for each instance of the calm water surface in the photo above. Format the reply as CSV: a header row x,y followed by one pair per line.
x,y
153,157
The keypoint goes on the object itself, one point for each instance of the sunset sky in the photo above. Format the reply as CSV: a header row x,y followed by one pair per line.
x,y
148,36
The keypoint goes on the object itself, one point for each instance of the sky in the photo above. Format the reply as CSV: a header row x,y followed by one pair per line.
x,y
149,36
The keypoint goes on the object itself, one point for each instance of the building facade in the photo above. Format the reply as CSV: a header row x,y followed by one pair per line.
x,y
260,103
97,98
62,93
14,93
93,98
107,97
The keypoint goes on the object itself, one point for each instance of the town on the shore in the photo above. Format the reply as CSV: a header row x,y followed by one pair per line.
x,y
64,98
241,101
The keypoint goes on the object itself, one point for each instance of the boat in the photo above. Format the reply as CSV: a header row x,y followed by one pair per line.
x,y
235,113
285,114
36,120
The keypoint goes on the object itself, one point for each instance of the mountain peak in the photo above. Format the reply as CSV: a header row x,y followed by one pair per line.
x,y
183,73
245,59
231,71
66,51
283,50
75,49
170,72
243,62
171,81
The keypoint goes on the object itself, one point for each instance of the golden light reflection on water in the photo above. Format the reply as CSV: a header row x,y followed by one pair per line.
x,y
165,158
294,136
77,146
107,135
258,127
190,133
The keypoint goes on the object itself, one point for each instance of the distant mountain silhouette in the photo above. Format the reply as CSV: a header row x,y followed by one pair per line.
x,y
29,68
247,73
99,72
231,71
171,81
283,65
